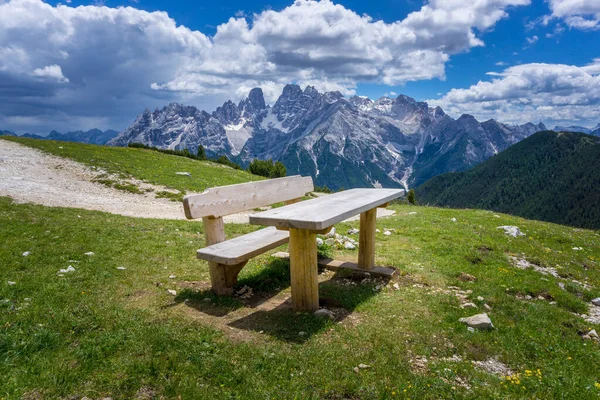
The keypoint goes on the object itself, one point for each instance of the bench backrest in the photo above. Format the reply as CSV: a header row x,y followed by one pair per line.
x,y
224,200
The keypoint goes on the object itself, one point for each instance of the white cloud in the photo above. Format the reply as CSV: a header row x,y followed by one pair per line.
x,y
580,14
532,39
121,60
554,93
52,72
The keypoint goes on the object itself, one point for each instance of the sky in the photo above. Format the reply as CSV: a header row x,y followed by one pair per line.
x,y
74,65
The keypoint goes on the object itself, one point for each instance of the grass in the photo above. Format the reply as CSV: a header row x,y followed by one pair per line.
x,y
100,331
145,165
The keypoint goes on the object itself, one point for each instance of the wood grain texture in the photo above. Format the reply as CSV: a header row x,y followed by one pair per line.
x,y
336,265
242,248
303,270
366,239
225,200
214,232
323,212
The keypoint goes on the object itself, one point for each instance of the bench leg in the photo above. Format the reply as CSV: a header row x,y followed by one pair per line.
x,y
224,277
303,270
366,240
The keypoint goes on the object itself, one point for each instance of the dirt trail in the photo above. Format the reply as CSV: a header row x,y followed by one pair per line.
x,y
29,175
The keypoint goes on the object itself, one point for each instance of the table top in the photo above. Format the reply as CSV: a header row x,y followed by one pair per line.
x,y
323,212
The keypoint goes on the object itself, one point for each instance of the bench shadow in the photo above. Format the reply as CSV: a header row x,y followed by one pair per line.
x,y
341,294
264,285
270,310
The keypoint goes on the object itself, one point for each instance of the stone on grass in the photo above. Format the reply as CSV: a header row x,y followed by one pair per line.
x,y
323,312
469,305
478,321
349,246
596,301
412,213
172,292
11,283
66,270
320,242
121,268
183,173
471,329
172,277
378,230
331,233
453,220
330,242
466,277
510,230
364,366
26,253
387,233
353,231
89,253
561,285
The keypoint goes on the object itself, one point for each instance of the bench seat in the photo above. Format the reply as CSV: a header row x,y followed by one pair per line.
x,y
243,248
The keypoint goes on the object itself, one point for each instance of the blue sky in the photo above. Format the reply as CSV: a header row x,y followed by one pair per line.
x,y
82,64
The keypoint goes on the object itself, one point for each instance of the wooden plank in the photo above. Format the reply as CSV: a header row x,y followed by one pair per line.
x,y
225,200
366,239
303,270
214,232
242,248
325,211
336,265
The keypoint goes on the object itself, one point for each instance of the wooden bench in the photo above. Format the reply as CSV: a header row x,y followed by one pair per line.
x,y
226,258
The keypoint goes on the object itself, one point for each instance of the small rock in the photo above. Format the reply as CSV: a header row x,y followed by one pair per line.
x,y
320,242
377,231
172,277
11,283
561,285
478,321
479,298
121,268
66,270
412,213
471,329
363,366
487,306
172,292
453,220
353,231
396,286
469,305
89,253
466,277
183,173
207,300
323,312
302,333
577,248
355,369
330,242
387,233
596,301
496,216
26,253
331,233
349,246
513,231
593,334
528,297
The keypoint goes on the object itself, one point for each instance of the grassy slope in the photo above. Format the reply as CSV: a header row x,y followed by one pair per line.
x,y
104,332
146,165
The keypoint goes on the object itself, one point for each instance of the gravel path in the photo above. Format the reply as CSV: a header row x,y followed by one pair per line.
x,y
29,175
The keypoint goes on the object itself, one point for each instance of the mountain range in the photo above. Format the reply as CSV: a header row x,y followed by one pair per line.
x,y
550,176
92,136
341,142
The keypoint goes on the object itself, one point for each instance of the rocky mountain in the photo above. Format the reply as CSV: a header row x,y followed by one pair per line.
x,y
341,142
575,128
93,136
7,133
551,176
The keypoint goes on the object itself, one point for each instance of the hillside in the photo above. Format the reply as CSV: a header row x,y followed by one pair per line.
x,y
111,329
340,142
549,176
145,165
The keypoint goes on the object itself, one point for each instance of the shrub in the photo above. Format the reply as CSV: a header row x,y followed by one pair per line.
x,y
267,168
411,197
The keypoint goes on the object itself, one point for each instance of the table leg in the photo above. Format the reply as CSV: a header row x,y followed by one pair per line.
x,y
303,270
366,241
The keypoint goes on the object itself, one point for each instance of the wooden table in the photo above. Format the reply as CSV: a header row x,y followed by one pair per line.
x,y
306,219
